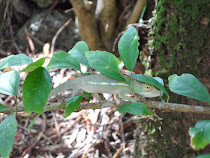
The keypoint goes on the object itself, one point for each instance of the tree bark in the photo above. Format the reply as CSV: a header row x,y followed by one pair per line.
x,y
180,45
106,14
87,25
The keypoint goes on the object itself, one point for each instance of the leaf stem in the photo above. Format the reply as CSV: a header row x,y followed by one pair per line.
x,y
16,105
81,72
132,83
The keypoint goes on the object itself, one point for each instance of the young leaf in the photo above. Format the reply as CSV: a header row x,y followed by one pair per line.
x,y
200,134
150,80
88,95
128,47
2,107
72,104
105,63
204,156
135,109
35,65
8,129
63,60
188,85
36,88
14,60
78,51
9,82
32,122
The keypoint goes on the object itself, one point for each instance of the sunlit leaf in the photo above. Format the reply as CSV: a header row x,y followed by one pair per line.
x,y
35,65
105,63
128,47
63,60
78,51
14,60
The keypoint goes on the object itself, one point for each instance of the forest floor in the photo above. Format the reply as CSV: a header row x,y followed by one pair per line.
x,y
89,133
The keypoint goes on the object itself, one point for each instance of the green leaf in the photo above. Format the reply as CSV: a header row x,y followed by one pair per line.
x,y
9,82
2,107
88,95
8,129
63,60
204,156
135,109
160,81
36,88
188,85
14,60
34,65
150,80
128,47
105,63
32,122
200,134
72,104
78,51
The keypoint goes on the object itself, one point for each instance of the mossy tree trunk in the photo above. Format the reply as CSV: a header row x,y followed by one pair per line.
x,y
180,41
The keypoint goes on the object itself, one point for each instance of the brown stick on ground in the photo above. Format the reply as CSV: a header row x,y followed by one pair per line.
x,y
38,137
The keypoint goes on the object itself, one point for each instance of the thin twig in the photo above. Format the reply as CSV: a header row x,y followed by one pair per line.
x,y
56,35
34,38
31,45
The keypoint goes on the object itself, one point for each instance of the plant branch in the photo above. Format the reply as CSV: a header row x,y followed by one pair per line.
x,y
166,107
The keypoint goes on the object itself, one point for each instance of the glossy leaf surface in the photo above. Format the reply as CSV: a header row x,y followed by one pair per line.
x,y
63,60
35,65
105,63
78,51
14,60
36,88
128,47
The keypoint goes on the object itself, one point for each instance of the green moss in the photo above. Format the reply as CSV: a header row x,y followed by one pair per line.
x,y
177,35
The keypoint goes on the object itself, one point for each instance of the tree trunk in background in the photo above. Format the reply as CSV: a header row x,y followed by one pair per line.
x,y
87,24
180,41
98,26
